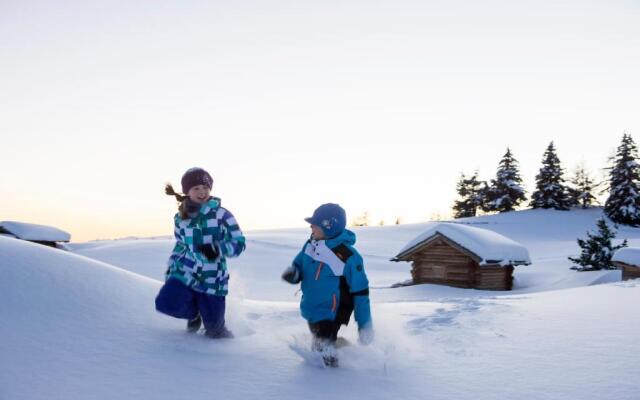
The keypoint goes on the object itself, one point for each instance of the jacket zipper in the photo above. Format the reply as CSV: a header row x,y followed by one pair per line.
x,y
318,271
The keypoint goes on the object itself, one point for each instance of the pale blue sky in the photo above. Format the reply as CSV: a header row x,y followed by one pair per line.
x,y
377,105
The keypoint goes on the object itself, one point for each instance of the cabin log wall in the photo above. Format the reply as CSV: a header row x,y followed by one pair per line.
x,y
441,263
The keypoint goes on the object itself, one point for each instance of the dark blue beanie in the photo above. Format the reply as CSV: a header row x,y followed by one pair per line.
x,y
194,177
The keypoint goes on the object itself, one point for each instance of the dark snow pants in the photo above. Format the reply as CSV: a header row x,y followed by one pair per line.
x,y
179,301
323,332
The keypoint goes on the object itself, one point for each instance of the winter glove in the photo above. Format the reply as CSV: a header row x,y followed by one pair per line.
x,y
291,275
211,251
366,335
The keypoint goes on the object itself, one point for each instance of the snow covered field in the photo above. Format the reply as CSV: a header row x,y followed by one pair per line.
x,y
82,325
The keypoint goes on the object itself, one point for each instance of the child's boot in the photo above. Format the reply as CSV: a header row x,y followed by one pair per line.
x,y
222,333
194,324
327,349
330,356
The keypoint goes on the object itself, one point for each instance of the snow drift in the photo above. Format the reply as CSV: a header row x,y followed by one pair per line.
x,y
76,328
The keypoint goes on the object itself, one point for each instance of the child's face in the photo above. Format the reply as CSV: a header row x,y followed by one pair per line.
x,y
316,232
199,194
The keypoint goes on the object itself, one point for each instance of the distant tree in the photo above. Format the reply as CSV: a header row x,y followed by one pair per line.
x,y
362,220
597,249
505,192
471,199
483,196
623,204
381,223
398,221
550,189
581,188
605,179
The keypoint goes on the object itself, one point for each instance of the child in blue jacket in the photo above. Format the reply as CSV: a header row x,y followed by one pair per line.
x,y
334,283
197,277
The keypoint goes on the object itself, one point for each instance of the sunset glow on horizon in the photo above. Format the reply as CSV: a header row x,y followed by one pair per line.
x,y
376,106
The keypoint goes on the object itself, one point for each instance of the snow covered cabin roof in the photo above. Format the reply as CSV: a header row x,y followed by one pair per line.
x,y
34,232
627,255
487,246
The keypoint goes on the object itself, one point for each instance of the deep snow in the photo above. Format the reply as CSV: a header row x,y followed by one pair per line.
x,y
627,255
77,328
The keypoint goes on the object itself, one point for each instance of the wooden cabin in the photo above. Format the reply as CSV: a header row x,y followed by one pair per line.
x,y
628,271
464,256
627,259
41,234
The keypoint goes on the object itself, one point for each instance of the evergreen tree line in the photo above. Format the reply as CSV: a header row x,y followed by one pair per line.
x,y
505,192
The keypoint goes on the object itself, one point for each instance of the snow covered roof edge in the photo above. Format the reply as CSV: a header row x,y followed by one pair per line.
x,y
627,255
490,247
35,232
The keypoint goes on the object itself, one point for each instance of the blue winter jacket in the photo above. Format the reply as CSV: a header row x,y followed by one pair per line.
x,y
333,280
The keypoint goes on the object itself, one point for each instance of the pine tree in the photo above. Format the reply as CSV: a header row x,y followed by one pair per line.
x,y
623,204
362,220
471,198
581,189
597,250
505,192
550,189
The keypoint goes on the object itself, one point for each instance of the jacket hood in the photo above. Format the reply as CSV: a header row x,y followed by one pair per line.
x,y
345,237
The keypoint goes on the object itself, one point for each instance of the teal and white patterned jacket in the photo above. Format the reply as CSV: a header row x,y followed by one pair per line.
x,y
213,224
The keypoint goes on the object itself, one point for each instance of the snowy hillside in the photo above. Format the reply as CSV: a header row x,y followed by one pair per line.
x,y
77,328
549,235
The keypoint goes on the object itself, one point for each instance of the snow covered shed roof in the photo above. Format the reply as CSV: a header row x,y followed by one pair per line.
x,y
627,255
489,247
33,232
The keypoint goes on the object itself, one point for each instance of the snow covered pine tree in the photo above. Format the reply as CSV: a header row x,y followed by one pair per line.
x,y
597,249
581,188
471,192
505,192
550,189
623,204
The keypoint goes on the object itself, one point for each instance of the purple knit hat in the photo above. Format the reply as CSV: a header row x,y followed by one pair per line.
x,y
194,177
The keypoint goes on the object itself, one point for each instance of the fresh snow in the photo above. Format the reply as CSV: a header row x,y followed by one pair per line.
x,y
628,255
25,231
82,325
491,247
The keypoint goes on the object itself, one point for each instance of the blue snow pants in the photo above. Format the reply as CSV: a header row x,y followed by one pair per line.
x,y
179,301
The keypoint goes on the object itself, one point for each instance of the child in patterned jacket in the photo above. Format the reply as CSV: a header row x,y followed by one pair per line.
x,y
197,277
333,281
